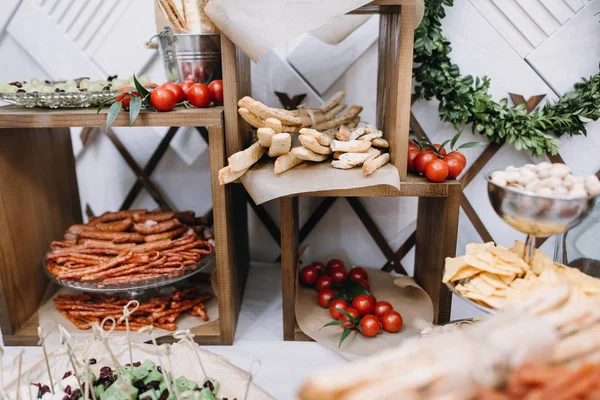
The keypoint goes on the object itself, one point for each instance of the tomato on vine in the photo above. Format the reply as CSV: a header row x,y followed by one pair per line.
x,y
370,325
335,305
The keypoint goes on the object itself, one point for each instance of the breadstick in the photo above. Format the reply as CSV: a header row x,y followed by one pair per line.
x,y
323,138
352,146
274,124
343,133
311,143
353,123
333,101
291,129
371,136
358,132
372,164
381,143
262,111
150,229
286,162
305,154
250,118
337,154
347,116
341,164
226,175
246,158
265,135
280,144
356,159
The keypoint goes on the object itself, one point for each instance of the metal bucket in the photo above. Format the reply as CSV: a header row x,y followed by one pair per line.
x,y
190,57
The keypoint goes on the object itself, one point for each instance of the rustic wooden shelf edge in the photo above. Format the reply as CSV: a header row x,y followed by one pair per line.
x,y
18,117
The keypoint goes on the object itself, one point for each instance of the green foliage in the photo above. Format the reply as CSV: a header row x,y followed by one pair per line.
x,y
465,100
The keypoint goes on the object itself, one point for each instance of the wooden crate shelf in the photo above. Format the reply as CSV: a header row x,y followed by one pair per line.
x,y
39,199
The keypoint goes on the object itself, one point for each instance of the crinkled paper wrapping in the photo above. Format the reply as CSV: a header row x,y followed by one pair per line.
x,y
408,298
233,380
263,185
49,312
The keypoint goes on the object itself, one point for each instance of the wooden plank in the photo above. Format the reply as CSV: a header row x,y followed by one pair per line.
x,y
39,199
18,117
436,215
207,334
228,287
414,186
289,262
300,336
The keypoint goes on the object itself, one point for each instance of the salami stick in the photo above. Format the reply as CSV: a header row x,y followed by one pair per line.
x,y
101,267
115,226
166,235
117,237
154,216
160,227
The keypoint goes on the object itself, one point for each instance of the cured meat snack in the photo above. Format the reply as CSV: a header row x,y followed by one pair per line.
x,y
128,246
161,312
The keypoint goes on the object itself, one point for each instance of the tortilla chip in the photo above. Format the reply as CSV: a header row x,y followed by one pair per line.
x,y
493,280
509,257
483,266
481,286
456,269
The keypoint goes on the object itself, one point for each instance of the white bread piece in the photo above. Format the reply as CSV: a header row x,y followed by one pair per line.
x,y
245,158
371,136
191,9
305,154
356,159
281,144
250,118
339,164
343,133
371,129
352,146
286,162
358,132
323,138
265,136
226,175
381,143
337,154
274,124
373,164
313,145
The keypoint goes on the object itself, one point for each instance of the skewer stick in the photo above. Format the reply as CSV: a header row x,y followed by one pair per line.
x,y
88,379
188,337
20,363
42,342
126,313
101,334
253,369
168,353
65,339
150,330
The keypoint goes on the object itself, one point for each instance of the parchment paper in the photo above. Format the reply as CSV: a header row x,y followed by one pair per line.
x,y
258,26
263,185
408,298
233,380
185,321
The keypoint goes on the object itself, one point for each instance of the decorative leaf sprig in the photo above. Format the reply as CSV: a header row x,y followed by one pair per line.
x,y
464,100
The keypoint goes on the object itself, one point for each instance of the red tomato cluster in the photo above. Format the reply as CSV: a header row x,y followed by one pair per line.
x,y
436,166
167,95
362,312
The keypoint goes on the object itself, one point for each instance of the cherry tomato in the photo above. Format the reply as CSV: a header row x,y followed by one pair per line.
x,y
309,275
125,99
392,321
358,273
436,171
346,321
324,297
320,267
458,155
455,167
370,325
338,274
423,159
185,85
335,305
410,160
412,146
176,89
324,282
442,151
199,95
364,284
382,307
216,88
334,263
162,99
363,304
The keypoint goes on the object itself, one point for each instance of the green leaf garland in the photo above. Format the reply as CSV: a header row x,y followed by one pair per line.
x,y
464,100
